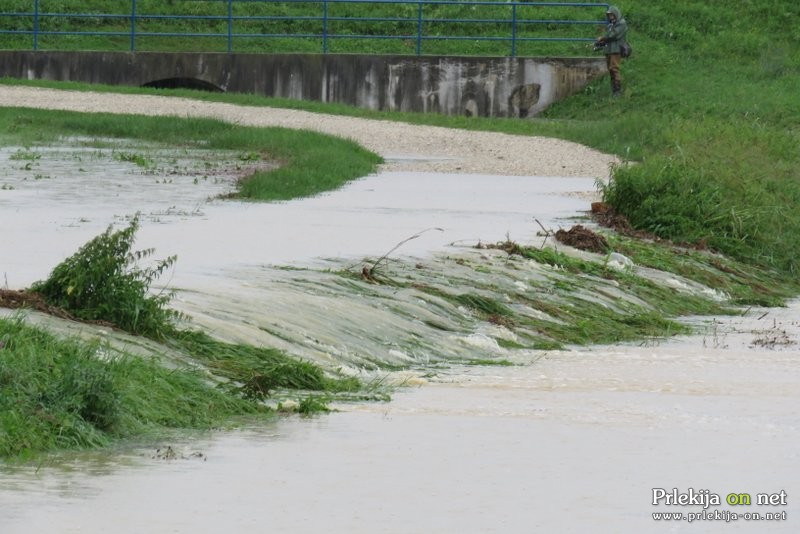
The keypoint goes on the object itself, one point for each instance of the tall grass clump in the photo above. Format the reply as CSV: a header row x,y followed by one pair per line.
x,y
66,394
103,281
658,202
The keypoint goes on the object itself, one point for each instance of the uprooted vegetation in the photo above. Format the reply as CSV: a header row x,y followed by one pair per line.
x,y
552,296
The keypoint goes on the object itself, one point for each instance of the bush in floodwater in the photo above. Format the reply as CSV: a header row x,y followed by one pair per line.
x,y
103,282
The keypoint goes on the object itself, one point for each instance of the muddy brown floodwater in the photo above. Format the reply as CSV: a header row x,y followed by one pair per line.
x,y
569,441
573,443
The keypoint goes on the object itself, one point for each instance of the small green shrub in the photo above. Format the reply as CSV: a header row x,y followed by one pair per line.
x,y
313,405
103,282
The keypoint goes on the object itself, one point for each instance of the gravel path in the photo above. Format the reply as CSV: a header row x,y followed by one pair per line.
x,y
403,146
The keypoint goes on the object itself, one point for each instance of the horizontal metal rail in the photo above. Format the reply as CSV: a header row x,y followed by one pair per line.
x,y
509,22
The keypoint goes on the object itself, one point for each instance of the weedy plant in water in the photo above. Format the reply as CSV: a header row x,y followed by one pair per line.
x,y
135,158
371,272
104,282
25,155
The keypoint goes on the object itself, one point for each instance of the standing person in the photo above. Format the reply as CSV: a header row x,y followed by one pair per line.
x,y
612,43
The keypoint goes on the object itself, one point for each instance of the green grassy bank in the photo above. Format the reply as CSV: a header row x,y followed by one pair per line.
x,y
711,115
58,394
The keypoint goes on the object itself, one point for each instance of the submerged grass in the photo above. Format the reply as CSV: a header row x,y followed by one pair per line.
x,y
575,320
309,162
257,372
577,298
744,284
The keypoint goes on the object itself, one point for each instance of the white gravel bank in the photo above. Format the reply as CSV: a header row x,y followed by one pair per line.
x,y
404,146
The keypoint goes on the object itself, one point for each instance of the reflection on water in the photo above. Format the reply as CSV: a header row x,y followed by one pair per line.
x,y
570,441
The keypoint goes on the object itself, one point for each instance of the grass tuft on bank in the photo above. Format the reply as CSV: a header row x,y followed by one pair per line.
x,y
66,394
104,281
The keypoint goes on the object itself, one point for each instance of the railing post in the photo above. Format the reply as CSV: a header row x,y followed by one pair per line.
x,y
133,25
36,25
324,26
513,29
230,26
419,27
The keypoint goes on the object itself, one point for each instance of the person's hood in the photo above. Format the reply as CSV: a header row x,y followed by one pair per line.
x,y
614,10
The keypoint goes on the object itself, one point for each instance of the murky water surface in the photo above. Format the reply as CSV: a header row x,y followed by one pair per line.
x,y
573,443
51,217
565,441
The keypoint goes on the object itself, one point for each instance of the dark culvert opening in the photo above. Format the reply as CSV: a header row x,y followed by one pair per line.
x,y
184,83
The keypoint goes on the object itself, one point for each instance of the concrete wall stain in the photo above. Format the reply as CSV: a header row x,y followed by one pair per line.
x,y
451,85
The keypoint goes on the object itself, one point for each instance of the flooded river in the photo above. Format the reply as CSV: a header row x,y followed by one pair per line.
x,y
565,441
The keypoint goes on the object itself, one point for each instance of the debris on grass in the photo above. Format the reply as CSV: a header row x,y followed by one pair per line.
x,y
583,238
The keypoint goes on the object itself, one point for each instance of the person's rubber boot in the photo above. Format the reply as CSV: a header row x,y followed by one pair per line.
x,y
616,88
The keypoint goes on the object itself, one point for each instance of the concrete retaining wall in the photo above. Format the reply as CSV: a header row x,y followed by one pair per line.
x,y
473,86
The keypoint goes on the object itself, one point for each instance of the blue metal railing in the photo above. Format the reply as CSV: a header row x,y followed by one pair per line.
x,y
428,19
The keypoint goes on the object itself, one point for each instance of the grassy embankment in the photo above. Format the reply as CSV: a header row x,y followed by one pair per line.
x,y
321,165
710,115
